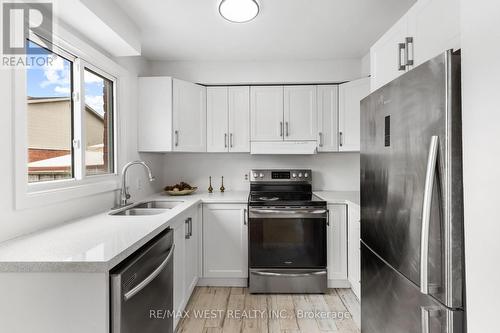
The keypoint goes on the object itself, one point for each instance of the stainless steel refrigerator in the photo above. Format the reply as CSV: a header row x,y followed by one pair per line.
x,y
412,247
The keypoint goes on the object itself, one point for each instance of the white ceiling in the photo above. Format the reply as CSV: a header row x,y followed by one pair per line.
x,y
193,30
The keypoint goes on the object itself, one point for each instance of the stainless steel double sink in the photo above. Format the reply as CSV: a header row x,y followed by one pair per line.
x,y
146,208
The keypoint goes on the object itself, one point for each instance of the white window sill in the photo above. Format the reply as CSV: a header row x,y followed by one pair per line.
x,y
38,195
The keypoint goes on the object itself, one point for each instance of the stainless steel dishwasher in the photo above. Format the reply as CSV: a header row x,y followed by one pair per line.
x,y
142,289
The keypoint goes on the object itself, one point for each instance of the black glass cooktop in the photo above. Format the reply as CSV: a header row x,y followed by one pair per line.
x,y
284,199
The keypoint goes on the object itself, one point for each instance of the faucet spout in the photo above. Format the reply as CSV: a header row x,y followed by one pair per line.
x,y
124,195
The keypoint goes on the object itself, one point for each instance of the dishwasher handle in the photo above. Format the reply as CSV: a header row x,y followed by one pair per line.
x,y
132,292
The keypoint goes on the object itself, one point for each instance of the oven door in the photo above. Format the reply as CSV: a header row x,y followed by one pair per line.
x,y
287,237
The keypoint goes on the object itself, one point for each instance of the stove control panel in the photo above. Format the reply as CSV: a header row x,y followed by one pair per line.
x,y
281,175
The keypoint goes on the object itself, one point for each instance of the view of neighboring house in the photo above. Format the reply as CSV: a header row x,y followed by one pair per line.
x,y
50,139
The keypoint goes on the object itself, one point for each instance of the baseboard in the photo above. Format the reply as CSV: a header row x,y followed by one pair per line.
x,y
339,284
243,282
222,282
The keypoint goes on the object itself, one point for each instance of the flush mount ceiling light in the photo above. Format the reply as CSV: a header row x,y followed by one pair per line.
x,y
239,11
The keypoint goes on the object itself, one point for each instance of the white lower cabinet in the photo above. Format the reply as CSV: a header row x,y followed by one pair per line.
x,y
354,250
337,246
186,258
225,239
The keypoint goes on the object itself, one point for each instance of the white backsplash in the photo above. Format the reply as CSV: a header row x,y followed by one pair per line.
x,y
331,171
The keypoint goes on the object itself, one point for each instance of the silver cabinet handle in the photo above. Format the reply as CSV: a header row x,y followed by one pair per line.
x,y
281,129
186,233
225,140
408,60
132,292
287,129
231,140
426,313
190,225
341,139
401,49
426,214
288,274
245,220
176,138
320,139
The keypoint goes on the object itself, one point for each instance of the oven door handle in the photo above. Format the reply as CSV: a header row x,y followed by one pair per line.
x,y
289,274
297,213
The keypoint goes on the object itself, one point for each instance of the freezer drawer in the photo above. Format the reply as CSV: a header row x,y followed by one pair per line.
x,y
393,304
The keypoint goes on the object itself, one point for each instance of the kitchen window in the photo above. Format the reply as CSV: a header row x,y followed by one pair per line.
x,y
70,118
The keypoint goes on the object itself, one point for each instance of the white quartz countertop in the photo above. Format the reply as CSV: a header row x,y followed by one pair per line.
x,y
339,197
99,242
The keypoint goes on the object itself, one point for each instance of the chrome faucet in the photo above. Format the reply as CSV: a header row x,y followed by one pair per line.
x,y
124,195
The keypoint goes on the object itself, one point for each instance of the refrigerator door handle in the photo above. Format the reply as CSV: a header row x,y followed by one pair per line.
x,y
426,214
426,313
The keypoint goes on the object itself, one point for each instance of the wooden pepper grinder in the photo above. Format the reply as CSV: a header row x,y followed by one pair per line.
x,y
210,188
222,188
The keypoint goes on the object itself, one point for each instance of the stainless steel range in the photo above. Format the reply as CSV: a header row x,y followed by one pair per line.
x,y
287,233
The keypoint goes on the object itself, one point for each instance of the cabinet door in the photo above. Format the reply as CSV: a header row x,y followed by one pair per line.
x,y
225,235
301,113
328,113
179,265
384,55
155,118
337,242
266,112
435,27
189,116
192,251
350,96
239,119
354,260
217,119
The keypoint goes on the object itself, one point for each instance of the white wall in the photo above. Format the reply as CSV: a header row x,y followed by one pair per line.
x,y
18,222
331,171
481,144
232,72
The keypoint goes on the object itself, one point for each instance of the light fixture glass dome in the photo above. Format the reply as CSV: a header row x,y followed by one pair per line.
x,y
239,11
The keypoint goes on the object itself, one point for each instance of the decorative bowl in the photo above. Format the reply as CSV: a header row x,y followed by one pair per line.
x,y
183,192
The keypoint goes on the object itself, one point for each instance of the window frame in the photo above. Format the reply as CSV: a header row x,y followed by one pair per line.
x,y
29,195
82,114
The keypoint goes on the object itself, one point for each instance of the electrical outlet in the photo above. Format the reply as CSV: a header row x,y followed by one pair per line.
x,y
246,176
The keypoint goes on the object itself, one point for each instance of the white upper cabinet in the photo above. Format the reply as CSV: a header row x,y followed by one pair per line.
x,y
266,110
172,115
350,96
429,28
228,119
301,113
435,27
328,112
217,119
189,116
239,119
155,114
387,55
